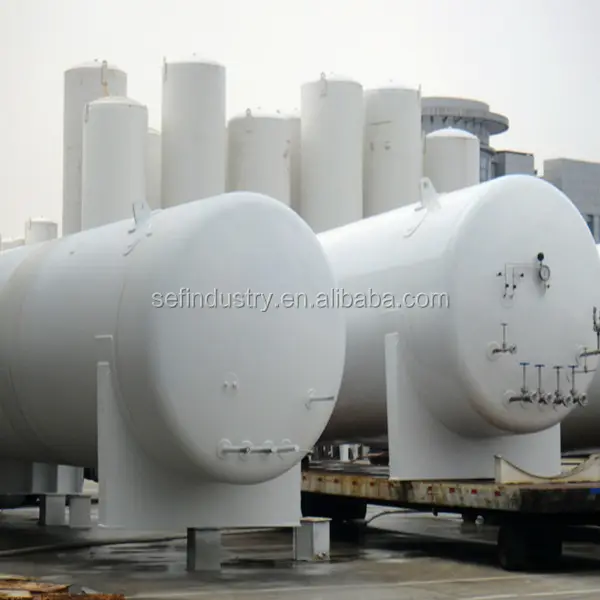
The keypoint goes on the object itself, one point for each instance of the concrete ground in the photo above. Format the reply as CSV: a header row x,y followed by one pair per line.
x,y
392,561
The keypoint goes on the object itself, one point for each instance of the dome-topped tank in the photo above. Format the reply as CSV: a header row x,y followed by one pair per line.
x,y
204,361
451,159
506,273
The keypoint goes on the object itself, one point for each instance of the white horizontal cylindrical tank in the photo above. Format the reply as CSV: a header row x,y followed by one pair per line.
x,y
194,131
295,160
153,169
83,84
191,376
451,159
10,243
464,259
332,118
258,154
40,230
392,149
581,429
114,160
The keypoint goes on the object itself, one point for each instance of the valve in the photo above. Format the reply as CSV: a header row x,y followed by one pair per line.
x,y
504,348
559,398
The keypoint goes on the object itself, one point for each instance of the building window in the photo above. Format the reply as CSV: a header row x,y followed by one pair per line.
x,y
484,167
589,219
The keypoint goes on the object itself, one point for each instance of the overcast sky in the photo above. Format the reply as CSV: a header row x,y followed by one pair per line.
x,y
536,61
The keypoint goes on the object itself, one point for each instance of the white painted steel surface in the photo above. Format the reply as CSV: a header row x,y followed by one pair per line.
x,y
393,152
459,249
581,429
451,159
194,133
40,230
83,84
153,169
189,377
259,151
114,160
332,119
295,160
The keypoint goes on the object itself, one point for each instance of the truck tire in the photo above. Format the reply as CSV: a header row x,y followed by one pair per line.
x,y
523,547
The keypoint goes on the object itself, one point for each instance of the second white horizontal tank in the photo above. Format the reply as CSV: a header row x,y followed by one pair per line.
x,y
474,260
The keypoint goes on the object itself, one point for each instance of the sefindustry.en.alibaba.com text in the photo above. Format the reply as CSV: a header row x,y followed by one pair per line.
x,y
335,298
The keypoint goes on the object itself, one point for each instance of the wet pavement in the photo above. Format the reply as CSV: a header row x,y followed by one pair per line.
x,y
392,560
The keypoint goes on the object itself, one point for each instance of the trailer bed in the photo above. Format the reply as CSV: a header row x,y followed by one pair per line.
x,y
532,517
370,483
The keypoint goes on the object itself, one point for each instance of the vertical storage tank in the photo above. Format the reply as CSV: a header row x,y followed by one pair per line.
x,y
295,160
153,168
259,154
451,159
83,83
332,118
194,134
392,148
40,230
114,160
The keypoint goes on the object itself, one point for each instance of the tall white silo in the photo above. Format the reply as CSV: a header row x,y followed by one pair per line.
x,y
332,123
451,159
295,160
40,230
392,148
114,160
83,84
153,168
194,135
259,151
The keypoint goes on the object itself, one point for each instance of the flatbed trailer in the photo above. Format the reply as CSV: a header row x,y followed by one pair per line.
x,y
531,515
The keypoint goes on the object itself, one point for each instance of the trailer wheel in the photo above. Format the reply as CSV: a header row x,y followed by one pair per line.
x,y
336,508
523,547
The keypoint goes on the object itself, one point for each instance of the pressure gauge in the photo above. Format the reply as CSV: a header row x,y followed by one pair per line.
x,y
544,273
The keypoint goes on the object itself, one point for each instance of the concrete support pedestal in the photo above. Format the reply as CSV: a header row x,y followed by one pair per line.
x,y
204,552
53,510
311,540
80,512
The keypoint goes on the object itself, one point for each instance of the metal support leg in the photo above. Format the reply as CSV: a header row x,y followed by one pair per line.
x,y
311,540
53,510
80,512
203,550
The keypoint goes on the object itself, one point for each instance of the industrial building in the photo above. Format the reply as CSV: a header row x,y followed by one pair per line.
x,y
509,162
470,115
476,118
580,181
